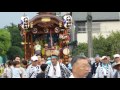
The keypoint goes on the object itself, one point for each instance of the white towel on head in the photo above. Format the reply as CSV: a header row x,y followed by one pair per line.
x,y
58,71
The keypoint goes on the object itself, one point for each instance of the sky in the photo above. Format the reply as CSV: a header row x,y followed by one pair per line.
x,y
13,17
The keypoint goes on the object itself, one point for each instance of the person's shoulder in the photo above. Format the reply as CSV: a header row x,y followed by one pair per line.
x,y
48,67
41,75
63,65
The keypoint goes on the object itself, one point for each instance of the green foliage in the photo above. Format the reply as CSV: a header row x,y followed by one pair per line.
x,y
102,46
107,46
14,51
5,41
16,39
81,48
114,41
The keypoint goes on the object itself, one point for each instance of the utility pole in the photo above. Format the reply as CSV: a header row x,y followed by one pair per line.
x,y
89,31
71,31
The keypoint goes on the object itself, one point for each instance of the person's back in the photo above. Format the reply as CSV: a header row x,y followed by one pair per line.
x,y
16,72
42,74
8,70
23,69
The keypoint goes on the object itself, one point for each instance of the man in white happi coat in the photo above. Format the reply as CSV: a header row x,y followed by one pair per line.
x,y
33,69
57,69
104,70
116,60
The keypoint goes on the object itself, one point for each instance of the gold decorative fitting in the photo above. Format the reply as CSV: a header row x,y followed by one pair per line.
x,y
45,19
31,25
60,24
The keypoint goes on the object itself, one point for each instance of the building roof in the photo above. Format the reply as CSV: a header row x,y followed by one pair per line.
x,y
97,16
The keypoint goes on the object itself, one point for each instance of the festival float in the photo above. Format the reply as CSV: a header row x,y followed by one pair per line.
x,y
49,30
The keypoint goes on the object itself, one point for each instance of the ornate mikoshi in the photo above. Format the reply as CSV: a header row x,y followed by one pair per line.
x,y
45,26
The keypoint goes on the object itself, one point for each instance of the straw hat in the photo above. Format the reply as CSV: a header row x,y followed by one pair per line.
x,y
115,66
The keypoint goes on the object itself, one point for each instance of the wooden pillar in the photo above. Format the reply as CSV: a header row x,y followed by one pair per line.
x,y
32,48
25,45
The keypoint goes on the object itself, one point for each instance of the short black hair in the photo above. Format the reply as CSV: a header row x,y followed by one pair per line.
x,y
15,63
43,67
24,62
10,63
75,59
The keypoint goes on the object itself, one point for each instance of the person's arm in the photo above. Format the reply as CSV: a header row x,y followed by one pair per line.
x,y
111,73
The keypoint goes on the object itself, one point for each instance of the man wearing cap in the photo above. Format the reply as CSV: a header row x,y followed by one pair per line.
x,y
104,70
116,58
117,67
56,69
33,69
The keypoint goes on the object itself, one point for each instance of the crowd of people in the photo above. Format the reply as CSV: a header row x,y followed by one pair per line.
x,y
77,67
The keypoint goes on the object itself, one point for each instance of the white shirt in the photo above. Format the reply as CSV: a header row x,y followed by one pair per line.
x,y
54,76
72,76
8,72
101,72
16,73
55,71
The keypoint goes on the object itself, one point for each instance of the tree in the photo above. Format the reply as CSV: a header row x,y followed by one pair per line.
x,y
16,39
14,51
81,48
100,45
107,46
114,42
5,41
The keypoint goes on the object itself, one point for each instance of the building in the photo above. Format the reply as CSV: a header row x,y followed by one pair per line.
x,y
103,23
